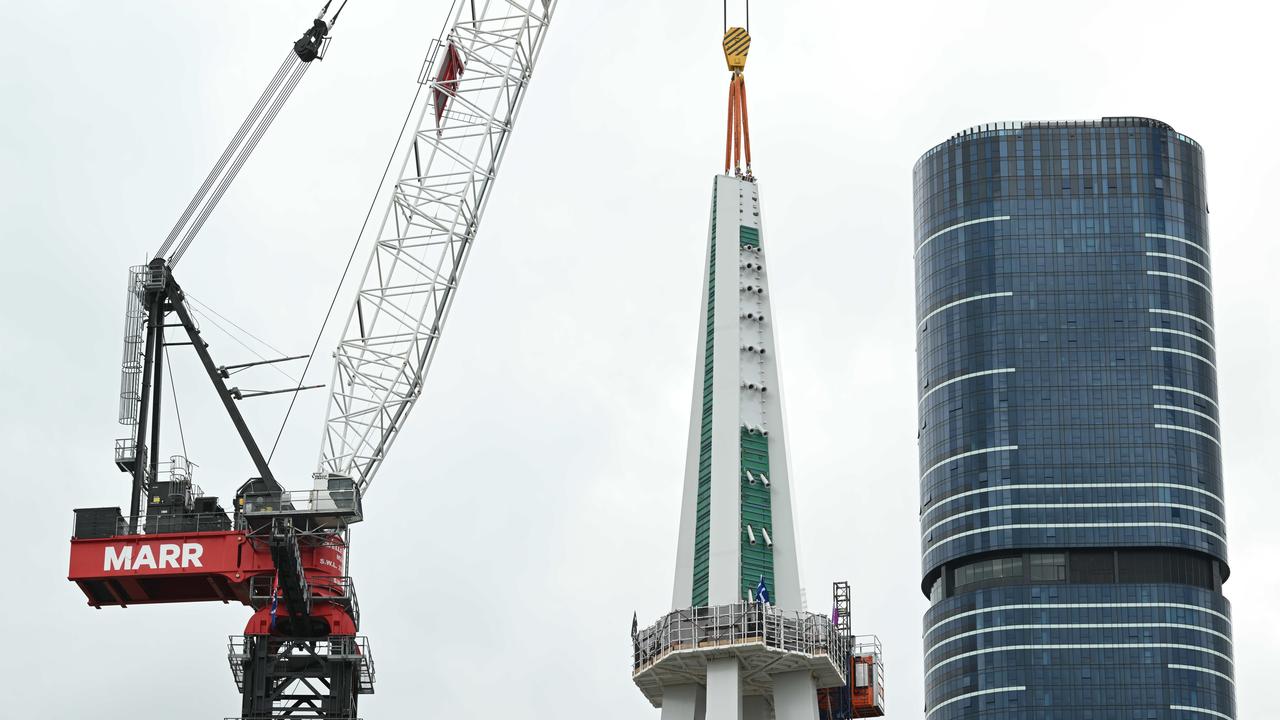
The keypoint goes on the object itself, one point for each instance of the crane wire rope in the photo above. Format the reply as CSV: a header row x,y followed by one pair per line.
x,y
242,343
173,390
725,16
236,140
232,323
250,144
345,270
253,127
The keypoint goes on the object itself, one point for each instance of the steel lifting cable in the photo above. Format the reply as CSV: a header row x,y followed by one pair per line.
x,y
310,47
289,61
232,336
233,324
725,16
173,390
250,144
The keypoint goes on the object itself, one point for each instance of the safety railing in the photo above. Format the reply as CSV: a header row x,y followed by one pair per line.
x,y
340,591
341,501
335,647
740,624
90,523
126,449
867,645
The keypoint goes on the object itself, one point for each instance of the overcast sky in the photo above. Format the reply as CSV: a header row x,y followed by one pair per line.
x,y
531,504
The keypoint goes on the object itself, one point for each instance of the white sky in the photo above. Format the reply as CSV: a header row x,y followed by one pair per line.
x,y
532,503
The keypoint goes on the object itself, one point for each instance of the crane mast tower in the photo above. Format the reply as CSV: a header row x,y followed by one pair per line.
x,y
284,552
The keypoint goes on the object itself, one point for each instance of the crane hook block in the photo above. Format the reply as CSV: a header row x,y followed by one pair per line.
x,y
736,44
312,43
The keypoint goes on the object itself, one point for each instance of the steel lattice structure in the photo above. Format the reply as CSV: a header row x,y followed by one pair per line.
x,y
284,553
429,225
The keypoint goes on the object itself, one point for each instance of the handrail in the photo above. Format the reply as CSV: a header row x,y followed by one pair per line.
x,y
739,624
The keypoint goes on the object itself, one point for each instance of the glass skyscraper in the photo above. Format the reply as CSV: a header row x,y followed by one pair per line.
x,y
1071,497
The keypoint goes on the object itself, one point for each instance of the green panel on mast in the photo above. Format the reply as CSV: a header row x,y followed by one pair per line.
x,y
702,531
757,511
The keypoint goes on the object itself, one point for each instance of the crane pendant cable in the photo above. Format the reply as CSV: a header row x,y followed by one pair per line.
x,y
309,47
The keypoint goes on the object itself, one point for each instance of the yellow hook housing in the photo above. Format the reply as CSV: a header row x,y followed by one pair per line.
x,y
736,44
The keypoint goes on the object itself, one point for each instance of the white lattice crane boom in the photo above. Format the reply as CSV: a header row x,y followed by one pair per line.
x,y
475,77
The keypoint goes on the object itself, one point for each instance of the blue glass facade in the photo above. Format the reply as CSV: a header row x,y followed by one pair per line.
x,y
1072,521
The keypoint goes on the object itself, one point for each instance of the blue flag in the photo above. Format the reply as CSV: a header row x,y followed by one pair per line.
x,y
275,599
762,591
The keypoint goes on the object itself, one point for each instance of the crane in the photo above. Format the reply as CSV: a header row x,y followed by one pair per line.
x,y
283,552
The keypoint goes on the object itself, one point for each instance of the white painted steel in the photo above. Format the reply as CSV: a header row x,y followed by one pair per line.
x,y
738,340
684,702
746,393
426,234
724,689
727,398
795,696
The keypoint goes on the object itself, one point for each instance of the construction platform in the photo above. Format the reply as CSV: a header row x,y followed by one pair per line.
x,y
765,640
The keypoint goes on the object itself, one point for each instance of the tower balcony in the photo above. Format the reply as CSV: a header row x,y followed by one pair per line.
x,y
765,640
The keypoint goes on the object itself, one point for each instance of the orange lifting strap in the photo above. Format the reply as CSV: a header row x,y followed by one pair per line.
x,y
738,134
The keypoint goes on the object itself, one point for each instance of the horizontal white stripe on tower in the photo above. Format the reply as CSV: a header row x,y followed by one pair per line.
x,y
957,226
980,373
962,455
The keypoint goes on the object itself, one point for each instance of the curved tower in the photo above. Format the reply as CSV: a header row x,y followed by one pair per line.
x,y
1071,496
